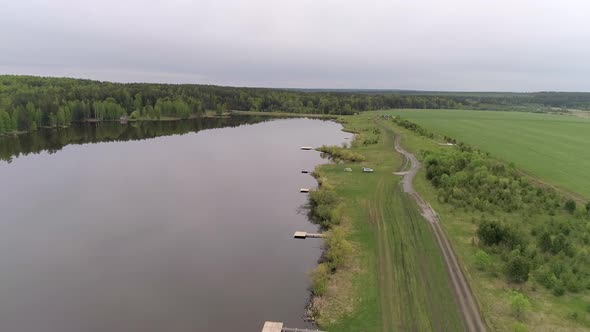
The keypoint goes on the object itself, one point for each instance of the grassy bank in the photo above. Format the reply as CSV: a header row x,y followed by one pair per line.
x,y
549,305
392,277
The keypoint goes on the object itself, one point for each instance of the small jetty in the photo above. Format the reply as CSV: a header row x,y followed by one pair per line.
x,y
304,190
305,235
278,327
306,148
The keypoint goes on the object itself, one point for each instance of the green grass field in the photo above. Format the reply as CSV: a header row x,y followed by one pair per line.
x,y
551,148
396,279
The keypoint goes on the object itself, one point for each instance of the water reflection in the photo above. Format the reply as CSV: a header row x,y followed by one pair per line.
x,y
52,140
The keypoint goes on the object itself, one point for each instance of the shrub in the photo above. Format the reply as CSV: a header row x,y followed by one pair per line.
x,y
559,288
323,204
319,279
495,233
519,304
519,327
337,153
517,269
134,115
491,232
546,277
482,260
337,248
545,242
570,205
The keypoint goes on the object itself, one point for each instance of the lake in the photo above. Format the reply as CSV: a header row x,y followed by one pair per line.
x,y
180,226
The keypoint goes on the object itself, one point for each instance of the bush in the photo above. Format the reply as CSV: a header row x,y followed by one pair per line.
x,y
546,277
491,232
545,242
570,205
519,327
482,260
337,153
519,304
134,115
496,233
337,248
517,269
319,279
323,207
559,288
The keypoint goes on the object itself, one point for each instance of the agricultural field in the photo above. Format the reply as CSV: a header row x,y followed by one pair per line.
x,y
552,148
393,276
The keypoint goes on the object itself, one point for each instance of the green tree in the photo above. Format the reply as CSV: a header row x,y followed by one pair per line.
x,y
137,102
588,207
150,112
134,115
52,120
517,269
158,113
15,115
2,125
545,242
570,206
60,117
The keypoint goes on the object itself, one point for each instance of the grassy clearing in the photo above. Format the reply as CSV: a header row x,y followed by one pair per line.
x,y
547,312
549,147
394,279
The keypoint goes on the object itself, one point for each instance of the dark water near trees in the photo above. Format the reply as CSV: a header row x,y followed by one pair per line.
x,y
174,233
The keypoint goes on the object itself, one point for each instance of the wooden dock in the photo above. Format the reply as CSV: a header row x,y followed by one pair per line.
x,y
305,235
278,327
272,327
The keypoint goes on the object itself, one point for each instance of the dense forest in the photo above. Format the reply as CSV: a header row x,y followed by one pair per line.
x,y
27,102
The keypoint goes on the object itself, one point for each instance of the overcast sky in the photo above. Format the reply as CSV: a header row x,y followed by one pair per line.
x,y
499,45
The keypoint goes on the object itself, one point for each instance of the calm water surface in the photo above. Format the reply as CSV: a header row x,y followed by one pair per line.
x,y
174,233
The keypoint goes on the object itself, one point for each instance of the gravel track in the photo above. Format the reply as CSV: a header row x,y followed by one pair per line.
x,y
465,298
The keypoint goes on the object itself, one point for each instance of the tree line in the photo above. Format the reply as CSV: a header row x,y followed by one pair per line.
x,y
28,102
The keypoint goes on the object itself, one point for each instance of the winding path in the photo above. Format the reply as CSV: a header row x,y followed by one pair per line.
x,y
464,295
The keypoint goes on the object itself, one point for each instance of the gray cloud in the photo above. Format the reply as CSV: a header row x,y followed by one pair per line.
x,y
503,45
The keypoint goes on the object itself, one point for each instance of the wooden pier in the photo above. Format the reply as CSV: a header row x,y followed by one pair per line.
x,y
278,327
305,235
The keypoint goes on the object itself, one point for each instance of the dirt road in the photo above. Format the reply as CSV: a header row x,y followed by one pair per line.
x,y
468,306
